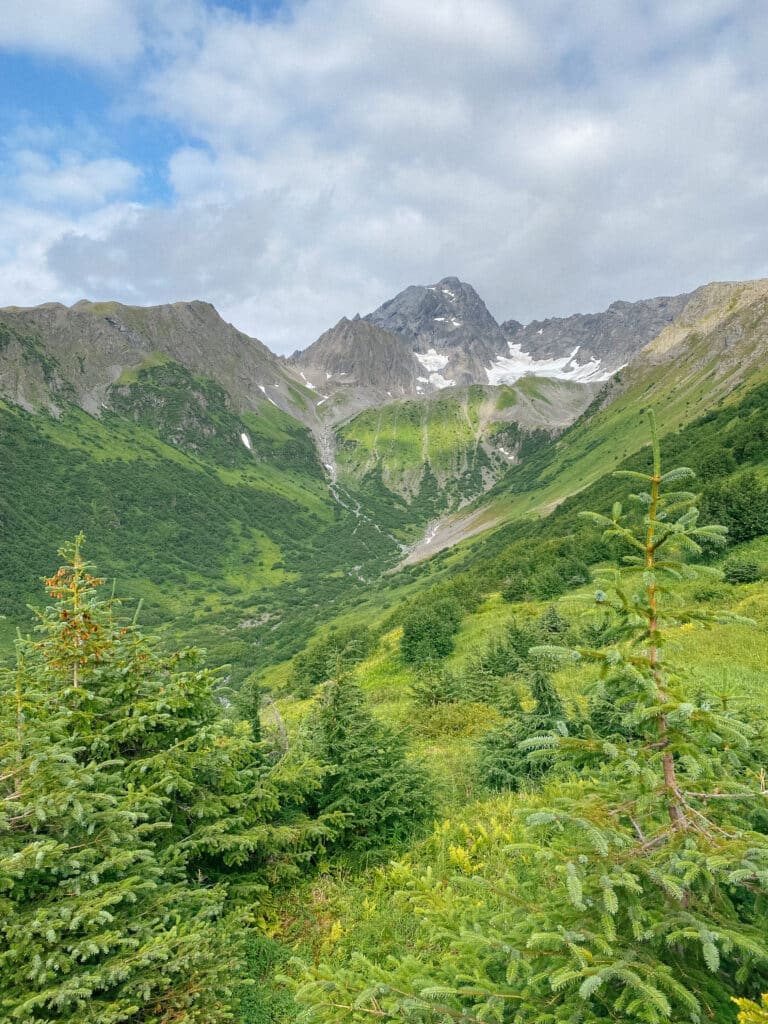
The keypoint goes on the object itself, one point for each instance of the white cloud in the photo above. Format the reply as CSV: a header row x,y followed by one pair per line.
x,y
73,179
558,156
87,31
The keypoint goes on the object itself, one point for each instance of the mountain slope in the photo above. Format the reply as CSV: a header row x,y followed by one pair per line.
x,y
198,483
355,365
409,462
609,339
714,352
54,354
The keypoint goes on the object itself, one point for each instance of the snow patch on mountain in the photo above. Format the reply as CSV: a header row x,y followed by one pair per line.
x,y
508,369
431,360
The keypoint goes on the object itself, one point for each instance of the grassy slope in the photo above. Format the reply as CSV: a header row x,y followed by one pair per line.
x,y
427,457
241,550
339,912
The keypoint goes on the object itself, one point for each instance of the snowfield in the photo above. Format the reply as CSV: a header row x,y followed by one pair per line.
x,y
508,369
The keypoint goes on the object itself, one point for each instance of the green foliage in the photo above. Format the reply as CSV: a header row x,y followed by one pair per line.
x,y
429,630
328,655
138,822
197,541
435,685
263,1002
553,624
740,503
98,924
741,570
381,794
751,1013
539,570
503,656
503,763
633,890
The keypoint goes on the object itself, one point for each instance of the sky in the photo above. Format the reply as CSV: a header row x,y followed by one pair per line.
x,y
296,161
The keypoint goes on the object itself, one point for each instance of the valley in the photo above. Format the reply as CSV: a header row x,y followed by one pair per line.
x,y
380,545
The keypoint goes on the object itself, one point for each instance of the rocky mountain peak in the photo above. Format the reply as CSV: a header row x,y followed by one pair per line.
x,y
446,323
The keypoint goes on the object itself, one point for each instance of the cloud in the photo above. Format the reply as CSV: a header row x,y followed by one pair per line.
x,y
557,156
95,32
73,179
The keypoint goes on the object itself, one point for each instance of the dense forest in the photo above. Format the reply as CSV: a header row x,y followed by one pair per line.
x,y
522,782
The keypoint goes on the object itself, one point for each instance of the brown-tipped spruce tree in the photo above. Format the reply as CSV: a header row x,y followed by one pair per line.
x,y
137,822
635,889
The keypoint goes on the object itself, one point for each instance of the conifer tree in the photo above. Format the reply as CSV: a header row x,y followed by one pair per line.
x,y
503,761
227,814
382,794
135,816
94,926
636,892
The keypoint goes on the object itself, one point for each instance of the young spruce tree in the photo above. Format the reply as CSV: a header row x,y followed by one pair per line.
x,y
382,794
95,926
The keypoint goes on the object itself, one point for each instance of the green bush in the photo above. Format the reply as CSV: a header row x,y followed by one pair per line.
x,y
429,631
741,570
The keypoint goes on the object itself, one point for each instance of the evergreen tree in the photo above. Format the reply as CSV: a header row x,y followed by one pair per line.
x,y
95,926
429,630
382,794
225,812
637,892
436,685
503,761
135,816
552,623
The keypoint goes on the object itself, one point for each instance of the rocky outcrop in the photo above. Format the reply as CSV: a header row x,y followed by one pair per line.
x,y
611,338
448,325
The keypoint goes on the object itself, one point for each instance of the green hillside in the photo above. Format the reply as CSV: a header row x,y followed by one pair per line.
x,y
243,550
410,461
447,813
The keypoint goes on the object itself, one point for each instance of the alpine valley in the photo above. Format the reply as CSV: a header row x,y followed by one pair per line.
x,y
434,684
248,498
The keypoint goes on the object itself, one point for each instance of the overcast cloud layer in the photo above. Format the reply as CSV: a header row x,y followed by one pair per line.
x,y
310,163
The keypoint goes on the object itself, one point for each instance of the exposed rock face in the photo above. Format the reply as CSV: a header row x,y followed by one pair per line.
x,y
456,342
611,338
450,320
356,353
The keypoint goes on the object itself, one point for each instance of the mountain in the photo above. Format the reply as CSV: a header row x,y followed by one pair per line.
x,y
231,486
53,354
586,346
355,365
714,353
448,327
424,340
432,337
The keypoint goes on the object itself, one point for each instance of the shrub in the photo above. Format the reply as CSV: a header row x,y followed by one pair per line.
x,y
429,630
741,570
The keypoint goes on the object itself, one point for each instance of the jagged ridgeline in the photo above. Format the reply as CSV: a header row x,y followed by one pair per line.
x,y
247,498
